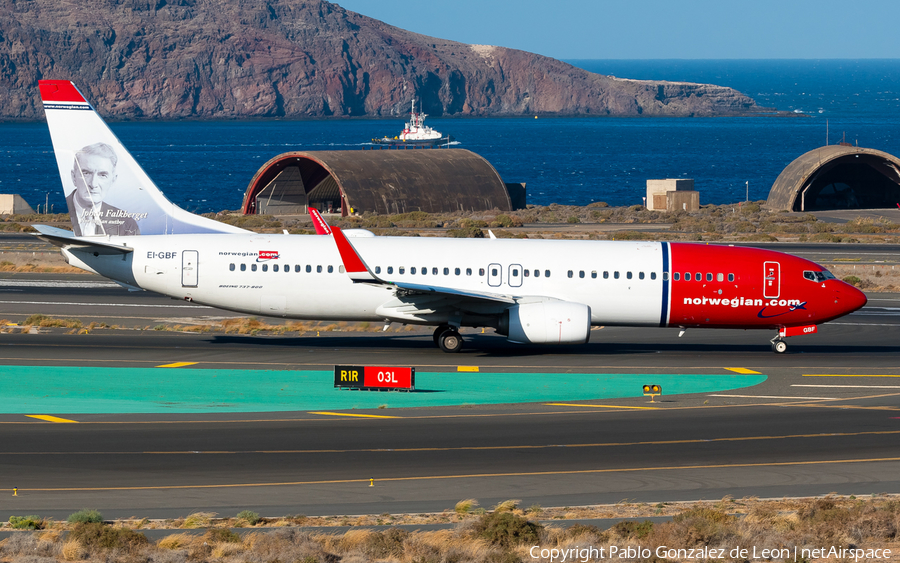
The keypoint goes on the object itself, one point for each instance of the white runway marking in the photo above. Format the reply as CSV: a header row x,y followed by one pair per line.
x,y
852,386
87,304
777,397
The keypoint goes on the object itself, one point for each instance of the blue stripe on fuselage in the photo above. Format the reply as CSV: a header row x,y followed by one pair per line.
x,y
663,320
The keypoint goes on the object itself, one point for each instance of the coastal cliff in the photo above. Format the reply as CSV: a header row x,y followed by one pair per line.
x,y
166,59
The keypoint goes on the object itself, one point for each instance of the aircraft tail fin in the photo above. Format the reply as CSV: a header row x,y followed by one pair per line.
x,y
319,223
106,190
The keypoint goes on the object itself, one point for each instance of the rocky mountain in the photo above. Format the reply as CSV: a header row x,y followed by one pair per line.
x,y
298,58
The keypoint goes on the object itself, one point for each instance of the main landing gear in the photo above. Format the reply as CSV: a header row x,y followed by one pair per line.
x,y
447,338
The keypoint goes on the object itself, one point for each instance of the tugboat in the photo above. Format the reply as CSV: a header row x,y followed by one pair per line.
x,y
415,133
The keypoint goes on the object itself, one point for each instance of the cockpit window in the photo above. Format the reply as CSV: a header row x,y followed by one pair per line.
x,y
818,276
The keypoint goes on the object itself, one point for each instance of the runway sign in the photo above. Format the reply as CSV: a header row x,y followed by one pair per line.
x,y
374,377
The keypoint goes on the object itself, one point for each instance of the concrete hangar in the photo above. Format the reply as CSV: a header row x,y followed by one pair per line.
x,y
837,177
379,181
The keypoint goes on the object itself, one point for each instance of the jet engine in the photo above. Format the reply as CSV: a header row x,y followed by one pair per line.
x,y
547,322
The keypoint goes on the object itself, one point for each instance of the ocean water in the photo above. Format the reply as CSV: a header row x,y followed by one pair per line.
x,y
206,166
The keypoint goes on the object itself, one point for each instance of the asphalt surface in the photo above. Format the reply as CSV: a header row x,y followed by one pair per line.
x,y
826,420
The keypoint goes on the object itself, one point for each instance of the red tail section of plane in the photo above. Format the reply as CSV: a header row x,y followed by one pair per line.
x,y
59,91
318,222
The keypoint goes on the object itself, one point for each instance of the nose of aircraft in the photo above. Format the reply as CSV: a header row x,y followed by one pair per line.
x,y
849,298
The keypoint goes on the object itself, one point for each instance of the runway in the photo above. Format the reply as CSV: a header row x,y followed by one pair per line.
x,y
826,419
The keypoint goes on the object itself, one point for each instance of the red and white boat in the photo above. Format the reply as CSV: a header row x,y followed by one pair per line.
x,y
416,133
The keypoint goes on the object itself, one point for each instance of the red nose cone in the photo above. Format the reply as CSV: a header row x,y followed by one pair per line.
x,y
849,298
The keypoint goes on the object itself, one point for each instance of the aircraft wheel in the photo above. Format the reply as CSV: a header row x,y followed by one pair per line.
x,y
450,341
438,332
779,346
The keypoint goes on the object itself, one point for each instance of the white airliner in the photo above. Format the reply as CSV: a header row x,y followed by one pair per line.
x,y
532,291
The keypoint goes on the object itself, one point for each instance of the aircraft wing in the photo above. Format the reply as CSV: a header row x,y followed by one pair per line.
x,y
359,272
67,239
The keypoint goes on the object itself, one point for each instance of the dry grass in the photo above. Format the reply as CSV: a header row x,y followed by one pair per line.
x,y
872,522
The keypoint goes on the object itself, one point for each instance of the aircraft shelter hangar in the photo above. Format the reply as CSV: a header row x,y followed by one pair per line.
x,y
837,177
378,181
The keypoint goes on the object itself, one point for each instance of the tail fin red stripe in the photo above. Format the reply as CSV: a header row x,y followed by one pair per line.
x,y
59,91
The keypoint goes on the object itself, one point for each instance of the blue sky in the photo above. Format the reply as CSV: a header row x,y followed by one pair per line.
x,y
656,29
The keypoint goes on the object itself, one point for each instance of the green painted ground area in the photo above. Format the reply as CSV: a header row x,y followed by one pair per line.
x,y
62,390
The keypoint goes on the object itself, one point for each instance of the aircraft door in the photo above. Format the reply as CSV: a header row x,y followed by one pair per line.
x,y
495,275
189,262
772,280
515,275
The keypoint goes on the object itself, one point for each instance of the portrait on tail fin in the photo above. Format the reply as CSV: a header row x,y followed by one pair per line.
x,y
94,175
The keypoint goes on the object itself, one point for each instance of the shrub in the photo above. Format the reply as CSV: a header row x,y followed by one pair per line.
x,y
198,519
632,529
94,535
853,280
221,535
465,506
573,219
507,529
85,516
251,517
32,522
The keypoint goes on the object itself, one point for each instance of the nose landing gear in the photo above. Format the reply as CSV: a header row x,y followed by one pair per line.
x,y
779,346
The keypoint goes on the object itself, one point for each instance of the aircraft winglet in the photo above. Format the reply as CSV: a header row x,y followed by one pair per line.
x,y
319,222
356,268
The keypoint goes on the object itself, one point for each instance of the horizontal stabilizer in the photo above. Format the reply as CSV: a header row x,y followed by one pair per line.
x,y
67,239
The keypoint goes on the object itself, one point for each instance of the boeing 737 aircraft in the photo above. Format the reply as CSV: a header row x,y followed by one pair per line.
x,y
531,291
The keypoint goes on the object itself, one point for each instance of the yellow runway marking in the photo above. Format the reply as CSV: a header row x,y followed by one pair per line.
x,y
744,371
466,368
357,415
475,475
49,418
178,365
828,435
844,375
599,406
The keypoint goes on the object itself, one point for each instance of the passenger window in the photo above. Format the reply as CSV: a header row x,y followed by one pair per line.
x,y
275,267
675,276
546,273
296,267
390,270
243,267
605,274
537,273
308,268
480,271
699,277
341,269
628,275
434,271
708,277
412,270
494,271
731,277
446,271
424,271
616,275
456,271
318,269
653,275
720,277
594,275
252,267
581,273
377,269
468,271
570,273
265,267
515,272
640,275
401,270
231,267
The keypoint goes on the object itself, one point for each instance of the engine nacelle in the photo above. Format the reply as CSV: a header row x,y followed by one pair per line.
x,y
547,322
